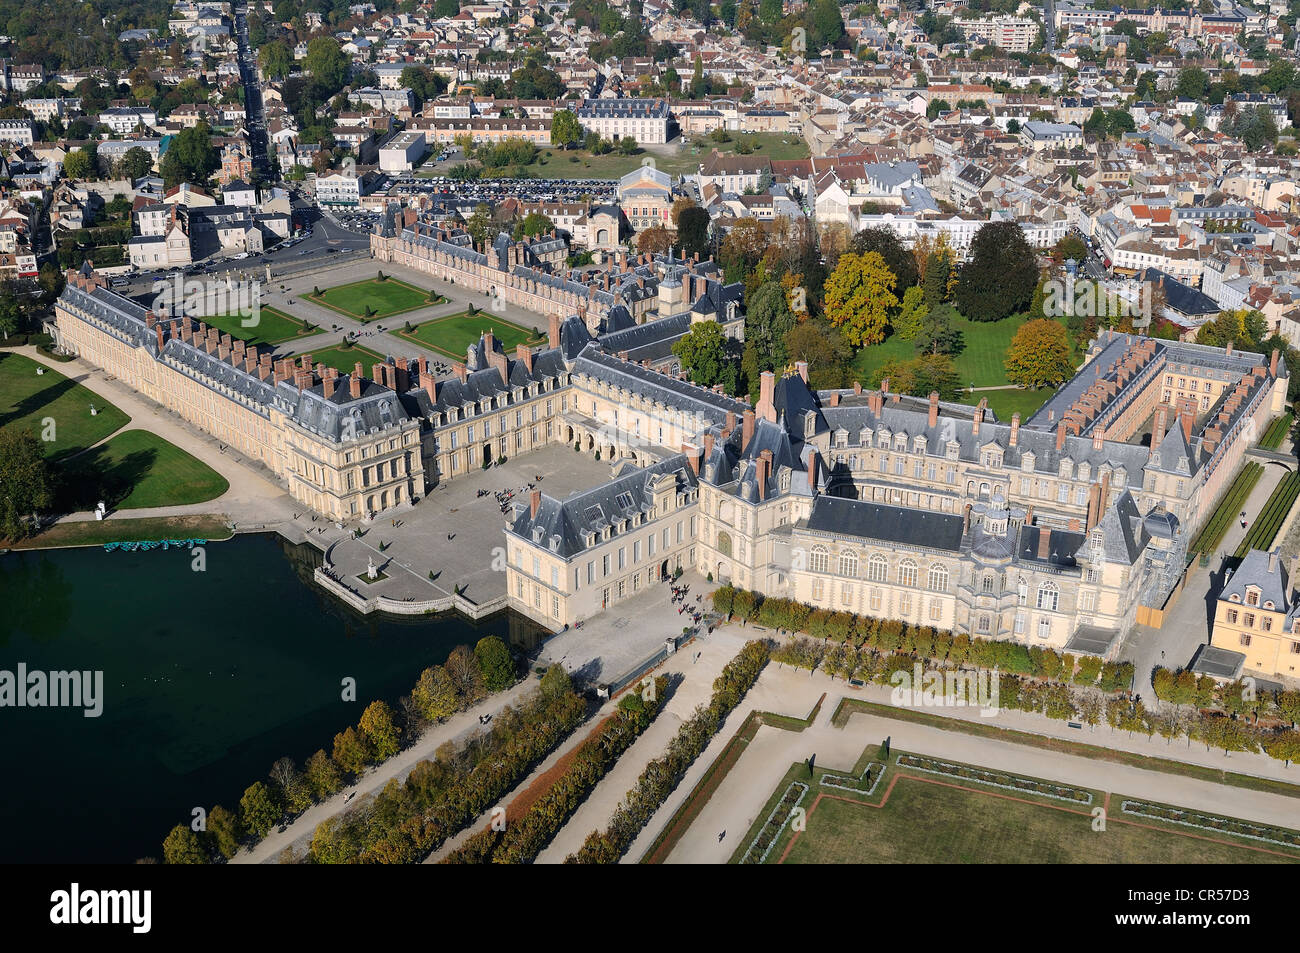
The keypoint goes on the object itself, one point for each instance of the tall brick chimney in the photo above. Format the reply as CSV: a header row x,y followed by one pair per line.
x,y
553,332
884,386
1060,434
934,408
1094,505
1044,542
1099,438
764,473
692,457
1015,428
1272,363
812,472
802,368
524,355
766,396
730,424
1186,418
708,445
747,430
534,503
1160,426
459,369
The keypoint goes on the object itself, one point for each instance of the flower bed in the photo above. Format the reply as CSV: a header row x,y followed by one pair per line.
x,y
994,779
1209,822
770,832
852,784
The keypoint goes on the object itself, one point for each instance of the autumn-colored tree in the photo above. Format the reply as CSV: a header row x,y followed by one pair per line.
x,y
1039,355
381,730
825,351
859,297
351,751
322,775
656,240
680,205
465,674
259,809
185,846
226,831
435,694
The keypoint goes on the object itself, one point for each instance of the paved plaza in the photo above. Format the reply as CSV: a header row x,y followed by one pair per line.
x,y
456,534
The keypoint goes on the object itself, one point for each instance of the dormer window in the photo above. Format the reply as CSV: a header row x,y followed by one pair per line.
x,y
953,449
810,422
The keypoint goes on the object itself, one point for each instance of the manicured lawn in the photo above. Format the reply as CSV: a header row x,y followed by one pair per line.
x,y
915,816
388,297
984,349
147,529
28,399
1004,403
344,359
453,334
675,160
138,469
273,326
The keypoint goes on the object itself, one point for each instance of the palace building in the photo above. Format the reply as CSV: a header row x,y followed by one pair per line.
x,y
1062,530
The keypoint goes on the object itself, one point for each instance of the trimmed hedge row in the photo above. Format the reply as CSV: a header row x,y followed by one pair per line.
x,y
1276,432
661,776
889,636
1227,509
522,840
1270,520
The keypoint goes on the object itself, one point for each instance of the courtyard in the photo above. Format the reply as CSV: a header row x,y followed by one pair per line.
x,y
273,326
453,335
452,540
372,299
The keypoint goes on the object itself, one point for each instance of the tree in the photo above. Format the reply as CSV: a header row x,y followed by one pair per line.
x,y
275,59
381,730
322,776
565,129
1039,355
532,225
936,334
1000,273
705,355
825,351
226,831
1192,83
190,157
920,376
351,752
680,204
79,164
556,682
495,663
767,321
135,164
259,810
327,64
656,240
184,846
907,324
1069,247
465,674
26,486
435,694
858,297
693,232
1243,328
900,261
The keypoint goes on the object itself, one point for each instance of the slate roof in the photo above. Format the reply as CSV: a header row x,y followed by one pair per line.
x,y
892,524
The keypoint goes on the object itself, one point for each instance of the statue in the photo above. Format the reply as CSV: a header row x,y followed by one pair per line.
x,y
371,571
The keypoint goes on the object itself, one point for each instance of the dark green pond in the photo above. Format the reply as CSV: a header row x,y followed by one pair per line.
x,y
209,677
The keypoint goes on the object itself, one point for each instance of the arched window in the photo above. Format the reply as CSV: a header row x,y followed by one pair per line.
x,y
878,568
819,560
939,578
907,573
724,543
849,564
1049,597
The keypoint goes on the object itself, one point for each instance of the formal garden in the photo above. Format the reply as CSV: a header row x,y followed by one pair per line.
x,y
454,334
904,807
374,298
344,357
273,326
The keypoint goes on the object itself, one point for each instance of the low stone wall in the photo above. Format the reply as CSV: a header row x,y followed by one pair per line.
x,y
368,604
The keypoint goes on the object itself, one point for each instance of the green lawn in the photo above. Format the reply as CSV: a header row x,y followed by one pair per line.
x,y
53,404
138,469
933,818
675,159
344,359
273,326
453,334
984,349
146,529
1004,403
388,297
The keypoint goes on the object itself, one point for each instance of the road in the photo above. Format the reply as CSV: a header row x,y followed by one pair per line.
x,y
254,117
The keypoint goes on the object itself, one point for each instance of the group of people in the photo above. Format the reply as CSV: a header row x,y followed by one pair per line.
x,y
679,596
504,497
